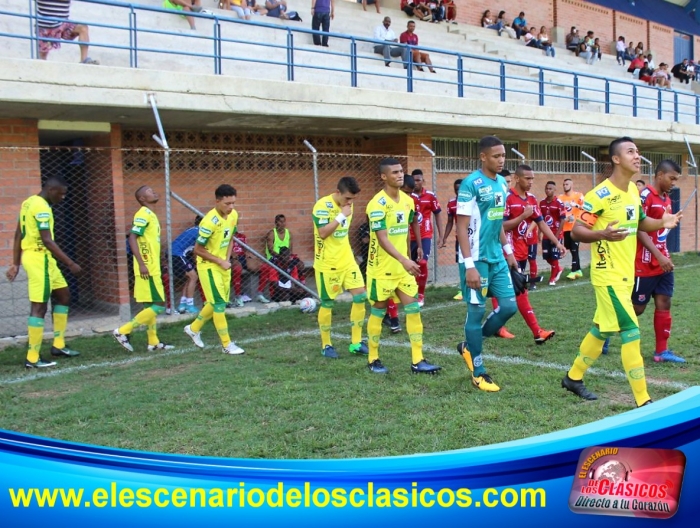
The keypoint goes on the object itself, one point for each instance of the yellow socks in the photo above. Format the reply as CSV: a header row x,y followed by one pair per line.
x,y
414,327
591,347
221,325
60,321
325,318
204,315
357,319
633,364
142,318
36,335
374,330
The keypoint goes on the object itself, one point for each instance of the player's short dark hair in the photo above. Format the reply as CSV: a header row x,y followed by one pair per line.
x,y
550,182
409,181
615,144
198,219
488,142
458,181
137,193
641,181
280,217
668,165
504,173
387,162
54,181
348,184
522,168
284,251
224,191
416,172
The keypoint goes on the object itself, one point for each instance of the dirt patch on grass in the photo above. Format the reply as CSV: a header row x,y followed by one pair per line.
x,y
53,393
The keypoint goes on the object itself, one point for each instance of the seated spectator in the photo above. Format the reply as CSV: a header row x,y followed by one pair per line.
x,y
284,289
680,72
543,37
385,33
573,41
408,7
277,9
650,60
256,9
691,71
645,73
237,6
184,5
530,40
489,23
375,2
184,266
409,37
520,25
620,48
630,55
422,11
60,29
636,64
661,76
639,49
450,11
506,26
588,50
437,11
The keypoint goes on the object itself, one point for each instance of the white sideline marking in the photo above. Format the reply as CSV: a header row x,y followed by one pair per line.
x,y
305,333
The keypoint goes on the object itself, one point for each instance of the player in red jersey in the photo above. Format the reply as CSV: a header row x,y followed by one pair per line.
x,y
532,240
451,215
521,210
652,265
427,205
554,213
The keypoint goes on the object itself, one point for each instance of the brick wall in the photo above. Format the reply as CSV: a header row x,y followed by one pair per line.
x,y
632,28
586,16
540,13
661,43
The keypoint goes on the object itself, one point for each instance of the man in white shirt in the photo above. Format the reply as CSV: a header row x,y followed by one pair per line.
x,y
384,33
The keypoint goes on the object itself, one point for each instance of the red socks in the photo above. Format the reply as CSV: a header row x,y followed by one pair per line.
x,y
533,268
528,313
422,279
392,309
236,273
662,328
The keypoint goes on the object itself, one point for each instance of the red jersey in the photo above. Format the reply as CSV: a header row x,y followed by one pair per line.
x,y
553,213
452,208
237,248
426,204
654,206
515,205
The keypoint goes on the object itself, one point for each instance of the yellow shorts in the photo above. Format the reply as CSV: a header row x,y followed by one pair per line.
x,y
43,275
216,284
330,284
614,311
385,288
149,290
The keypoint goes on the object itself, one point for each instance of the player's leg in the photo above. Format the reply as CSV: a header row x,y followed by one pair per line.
x,y
572,245
37,267
502,332
540,335
60,295
422,279
379,291
354,283
190,287
407,291
459,296
663,292
391,319
328,284
194,329
157,297
532,262
220,281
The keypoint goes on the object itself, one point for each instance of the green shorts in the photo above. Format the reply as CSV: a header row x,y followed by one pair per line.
x,y
495,282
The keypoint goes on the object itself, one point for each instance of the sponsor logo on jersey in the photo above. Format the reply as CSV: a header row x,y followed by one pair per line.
x,y
478,181
329,205
140,221
485,190
549,221
398,230
323,221
215,220
340,233
495,214
376,214
522,228
631,211
43,216
663,235
400,217
382,201
321,212
498,199
602,193
586,207
377,225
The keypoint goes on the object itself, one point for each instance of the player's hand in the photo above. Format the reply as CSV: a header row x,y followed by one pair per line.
x,y
512,263
77,270
143,271
443,244
665,263
419,253
473,279
671,220
225,264
562,249
411,267
346,210
613,234
527,212
12,272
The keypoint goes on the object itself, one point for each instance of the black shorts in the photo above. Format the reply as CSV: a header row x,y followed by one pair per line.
x,y
426,244
569,243
550,251
456,251
182,265
647,287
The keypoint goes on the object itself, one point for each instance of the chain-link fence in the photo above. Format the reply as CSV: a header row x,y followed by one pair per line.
x,y
93,222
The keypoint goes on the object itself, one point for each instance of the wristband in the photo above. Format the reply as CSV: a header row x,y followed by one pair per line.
x,y
469,263
508,249
341,218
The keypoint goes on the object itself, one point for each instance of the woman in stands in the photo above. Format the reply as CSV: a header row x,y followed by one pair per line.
x,y
450,11
506,25
488,22
530,40
639,49
661,76
629,53
543,37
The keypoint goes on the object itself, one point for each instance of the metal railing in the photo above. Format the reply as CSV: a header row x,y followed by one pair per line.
x,y
501,79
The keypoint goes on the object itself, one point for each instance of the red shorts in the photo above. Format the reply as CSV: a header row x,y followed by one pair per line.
x,y
65,31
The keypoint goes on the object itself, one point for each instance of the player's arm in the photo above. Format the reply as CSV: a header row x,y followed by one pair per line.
x,y
134,246
200,249
57,252
667,221
583,232
507,249
438,223
270,243
411,267
544,229
648,244
465,209
415,225
13,270
512,223
448,230
325,226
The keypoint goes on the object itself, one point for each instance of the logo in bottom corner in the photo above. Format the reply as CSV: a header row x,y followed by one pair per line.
x,y
628,482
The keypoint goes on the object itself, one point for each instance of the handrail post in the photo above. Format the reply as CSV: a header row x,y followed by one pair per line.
x,y
634,100
33,43
675,106
541,86
409,69
217,46
132,37
660,112
353,63
460,76
576,95
607,96
502,71
290,55
697,110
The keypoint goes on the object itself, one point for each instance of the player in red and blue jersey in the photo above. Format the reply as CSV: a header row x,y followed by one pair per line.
x,y
554,213
451,214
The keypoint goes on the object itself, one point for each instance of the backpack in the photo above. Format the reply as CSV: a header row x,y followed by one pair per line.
x,y
293,15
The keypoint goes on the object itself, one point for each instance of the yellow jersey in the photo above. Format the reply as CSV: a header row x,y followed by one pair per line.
x,y
334,252
146,227
395,218
612,263
35,216
215,234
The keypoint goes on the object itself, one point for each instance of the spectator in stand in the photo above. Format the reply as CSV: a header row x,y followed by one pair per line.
x,y
450,11
597,48
488,22
530,40
645,73
543,37
408,7
277,9
620,48
588,50
573,41
520,25
244,13
636,65
422,11
661,76
437,11
650,60
639,49
60,29
187,5
630,55
385,33
691,71
375,2
409,37
256,9
322,12
506,26
680,72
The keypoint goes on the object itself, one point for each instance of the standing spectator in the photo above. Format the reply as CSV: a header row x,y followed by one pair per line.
x,y
57,29
505,25
489,23
385,33
323,13
596,49
543,37
277,9
520,25
450,10
680,72
620,48
573,41
409,37
375,2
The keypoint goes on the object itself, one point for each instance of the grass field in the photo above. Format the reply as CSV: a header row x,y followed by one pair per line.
x,y
282,399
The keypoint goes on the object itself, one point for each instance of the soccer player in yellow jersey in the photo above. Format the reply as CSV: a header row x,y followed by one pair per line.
x,y
213,251
390,272
335,266
612,214
37,251
144,241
